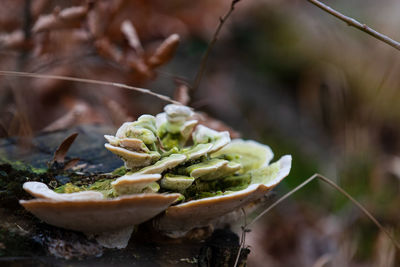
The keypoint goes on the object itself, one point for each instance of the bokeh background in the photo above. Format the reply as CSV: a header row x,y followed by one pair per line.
x,y
282,72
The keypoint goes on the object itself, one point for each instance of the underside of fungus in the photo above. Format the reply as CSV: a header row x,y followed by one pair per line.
x,y
176,172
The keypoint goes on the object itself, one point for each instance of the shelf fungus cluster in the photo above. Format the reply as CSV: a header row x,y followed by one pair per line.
x,y
177,173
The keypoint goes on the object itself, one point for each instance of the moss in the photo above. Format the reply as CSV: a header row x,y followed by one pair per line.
x,y
170,141
120,171
236,181
202,189
14,174
12,177
21,166
104,187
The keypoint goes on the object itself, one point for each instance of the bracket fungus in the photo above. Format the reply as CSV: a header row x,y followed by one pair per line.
x,y
179,174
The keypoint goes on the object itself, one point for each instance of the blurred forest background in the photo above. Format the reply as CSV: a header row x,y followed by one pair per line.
x,y
282,72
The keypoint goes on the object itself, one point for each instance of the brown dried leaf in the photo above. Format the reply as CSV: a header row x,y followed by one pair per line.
x,y
13,40
70,17
130,33
165,51
107,50
62,150
71,163
99,17
95,25
138,64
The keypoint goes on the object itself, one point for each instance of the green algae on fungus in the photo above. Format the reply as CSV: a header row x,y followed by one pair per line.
x,y
114,187
196,174
212,163
68,188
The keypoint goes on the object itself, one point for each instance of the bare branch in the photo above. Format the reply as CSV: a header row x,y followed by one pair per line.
x,y
211,44
90,81
354,23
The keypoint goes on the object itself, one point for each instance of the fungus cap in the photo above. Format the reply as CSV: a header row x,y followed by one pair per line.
x,y
133,159
133,183
40,190
166,163
98,215
179,219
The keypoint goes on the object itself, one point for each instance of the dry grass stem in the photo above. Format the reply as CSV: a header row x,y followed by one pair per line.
x,y
242,238
90,81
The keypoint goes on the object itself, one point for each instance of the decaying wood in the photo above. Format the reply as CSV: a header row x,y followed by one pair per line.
x,y
24,239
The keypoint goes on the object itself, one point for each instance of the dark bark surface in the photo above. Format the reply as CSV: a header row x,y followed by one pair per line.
x,y
26,241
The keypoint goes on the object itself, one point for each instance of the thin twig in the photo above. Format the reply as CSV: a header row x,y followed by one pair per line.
x,y
90,81
210,46
242,239
354,23
335,186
